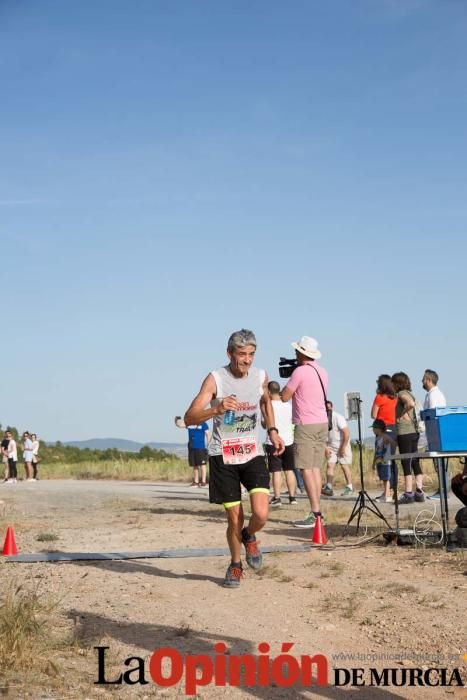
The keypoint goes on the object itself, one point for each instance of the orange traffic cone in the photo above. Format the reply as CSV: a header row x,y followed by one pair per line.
x,y
319,535
10,545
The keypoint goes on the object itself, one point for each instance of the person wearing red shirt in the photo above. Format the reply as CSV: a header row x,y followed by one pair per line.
x,y
384,408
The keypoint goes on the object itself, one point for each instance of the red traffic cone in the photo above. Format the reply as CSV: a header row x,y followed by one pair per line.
x,y
319,535
9,547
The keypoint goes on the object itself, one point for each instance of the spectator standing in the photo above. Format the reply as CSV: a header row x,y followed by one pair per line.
x,y
384,404
382,458
4,448
307,388
285,461
27,456
12,458
435,398
408,433
198,440
35,456
198,456
384,408
338,450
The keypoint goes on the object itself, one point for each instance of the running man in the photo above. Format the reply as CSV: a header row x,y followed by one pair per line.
x,y
236,453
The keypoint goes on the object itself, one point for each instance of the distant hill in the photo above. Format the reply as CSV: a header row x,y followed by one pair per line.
x,y
177,448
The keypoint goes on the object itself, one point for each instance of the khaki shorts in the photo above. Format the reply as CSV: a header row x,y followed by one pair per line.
x,y
309,445
334,456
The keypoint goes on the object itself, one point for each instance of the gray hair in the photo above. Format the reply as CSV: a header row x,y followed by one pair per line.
x,y
239,339
431,374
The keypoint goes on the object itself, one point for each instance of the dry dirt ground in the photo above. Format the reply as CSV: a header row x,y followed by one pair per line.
x,y
406,603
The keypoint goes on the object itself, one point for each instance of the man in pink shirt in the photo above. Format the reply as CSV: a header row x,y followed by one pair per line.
x,y
307,388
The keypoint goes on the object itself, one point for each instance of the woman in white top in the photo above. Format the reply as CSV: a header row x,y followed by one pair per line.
x,y
27,455
35,455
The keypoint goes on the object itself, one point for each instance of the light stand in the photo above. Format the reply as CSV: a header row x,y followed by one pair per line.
x,y
364,501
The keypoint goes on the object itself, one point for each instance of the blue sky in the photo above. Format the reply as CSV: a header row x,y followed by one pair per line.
x,y
174,171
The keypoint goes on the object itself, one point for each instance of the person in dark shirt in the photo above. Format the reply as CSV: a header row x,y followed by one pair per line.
x,y
4,448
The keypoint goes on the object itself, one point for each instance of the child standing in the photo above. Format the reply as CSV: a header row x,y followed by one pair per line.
x,y
382,458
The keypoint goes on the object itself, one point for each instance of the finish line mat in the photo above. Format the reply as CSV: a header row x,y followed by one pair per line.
x,y
161,554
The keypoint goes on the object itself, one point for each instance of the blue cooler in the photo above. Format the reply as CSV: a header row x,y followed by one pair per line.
x,y
446,428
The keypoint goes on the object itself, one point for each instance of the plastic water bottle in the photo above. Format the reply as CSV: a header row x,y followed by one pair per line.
x,y
229,416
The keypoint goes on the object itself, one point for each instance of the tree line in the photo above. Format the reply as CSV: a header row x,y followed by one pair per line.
x,y
58,452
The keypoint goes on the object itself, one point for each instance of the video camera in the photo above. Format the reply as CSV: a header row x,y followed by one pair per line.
x,y
286,367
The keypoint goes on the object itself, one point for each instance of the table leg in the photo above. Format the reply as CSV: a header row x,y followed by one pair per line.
x,y
443,499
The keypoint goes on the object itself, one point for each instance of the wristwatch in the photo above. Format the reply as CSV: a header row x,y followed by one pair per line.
x,y
269,430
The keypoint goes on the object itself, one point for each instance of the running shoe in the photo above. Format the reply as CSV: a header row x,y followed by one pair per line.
x,y
406,499
307,522
275,502
419,497
194,484
203,484
348,491
254,558
232,576
327,490
292,501
384,499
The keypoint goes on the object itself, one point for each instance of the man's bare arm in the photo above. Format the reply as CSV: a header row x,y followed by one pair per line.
x,y
345,437
198,413
286,394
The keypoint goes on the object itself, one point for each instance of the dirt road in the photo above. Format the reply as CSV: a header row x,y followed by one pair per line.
x,y
395,607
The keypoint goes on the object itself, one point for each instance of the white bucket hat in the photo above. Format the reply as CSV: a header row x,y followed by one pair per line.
x,y
307,346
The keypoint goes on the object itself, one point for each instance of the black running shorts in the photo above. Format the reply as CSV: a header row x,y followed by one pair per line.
x,y
277,463
225,479
197,457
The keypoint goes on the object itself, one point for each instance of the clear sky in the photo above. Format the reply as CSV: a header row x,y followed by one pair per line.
x,y
171,171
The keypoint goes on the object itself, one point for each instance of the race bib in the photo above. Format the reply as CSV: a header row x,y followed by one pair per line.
x,y
239,450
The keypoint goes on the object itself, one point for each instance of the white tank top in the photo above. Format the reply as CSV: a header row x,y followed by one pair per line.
x,y
247,422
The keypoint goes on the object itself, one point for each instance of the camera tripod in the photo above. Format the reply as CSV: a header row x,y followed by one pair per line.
x,y
364,500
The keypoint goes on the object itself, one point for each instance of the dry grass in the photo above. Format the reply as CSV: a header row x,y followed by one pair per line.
x,y
367,621
24,626
400,588
350,607
314,562
272,571
47,537
345,607
132,470
335,568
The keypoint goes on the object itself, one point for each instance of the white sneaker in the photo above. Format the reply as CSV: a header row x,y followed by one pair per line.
x,y
30,479
384,499
11,481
